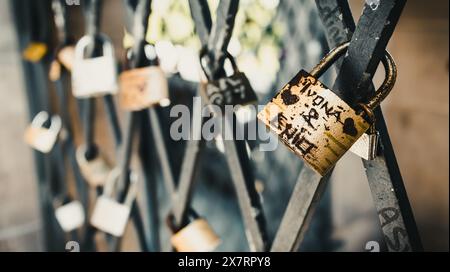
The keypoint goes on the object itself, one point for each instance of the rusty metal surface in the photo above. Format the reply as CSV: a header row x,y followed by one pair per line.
x,y
313,122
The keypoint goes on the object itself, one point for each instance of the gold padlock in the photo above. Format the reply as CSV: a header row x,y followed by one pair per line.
x,y
95,170
41,138
314,122
54,72
66,56
35,51
196,236
141,88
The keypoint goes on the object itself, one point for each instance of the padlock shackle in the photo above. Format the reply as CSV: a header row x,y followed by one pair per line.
x,y
381,93
132,189
55,124
39,119
388,83
329,60
110,184
42,117
206,70
113,176
107,47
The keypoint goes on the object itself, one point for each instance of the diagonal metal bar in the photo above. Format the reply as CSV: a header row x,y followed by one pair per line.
x,y
309,185
388,192
200,11
188,168
339,25
304,200
163,156
248,198
137,21
235,150
220,35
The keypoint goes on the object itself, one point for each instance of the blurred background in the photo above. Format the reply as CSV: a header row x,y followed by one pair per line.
x,y
272,40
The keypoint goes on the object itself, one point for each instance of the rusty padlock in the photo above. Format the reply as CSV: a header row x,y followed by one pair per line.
x,y
39,137
196,236
94,76
95,170
314,122
144,87
231,90
109,215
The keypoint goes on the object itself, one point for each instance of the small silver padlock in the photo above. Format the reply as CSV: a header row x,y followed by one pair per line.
x,y
109,215
314,122
96,170
70,216
41,138
196,236
230,90
94,76
366,146
141,88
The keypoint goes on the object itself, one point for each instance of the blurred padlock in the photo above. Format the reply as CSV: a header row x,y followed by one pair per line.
x,y
95,170
39,137
35,51
66,56
94,76
70,216
141,88
230,90
366,146
196,236
109,215
144,85
314,122
54,72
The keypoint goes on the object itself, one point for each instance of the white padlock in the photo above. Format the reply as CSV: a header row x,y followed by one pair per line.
x,y
109,215
70,216
96,170
41,138
96,76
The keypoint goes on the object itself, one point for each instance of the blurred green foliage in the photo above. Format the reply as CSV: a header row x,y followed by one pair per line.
x,y
256,33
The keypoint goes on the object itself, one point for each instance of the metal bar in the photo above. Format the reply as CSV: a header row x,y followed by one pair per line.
x,y
163,156
366,48
304,200
235,150
220,35
243,179
151,194
113,118
92,16
200,10
309,185
34,27
140,23
188,168
340,26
